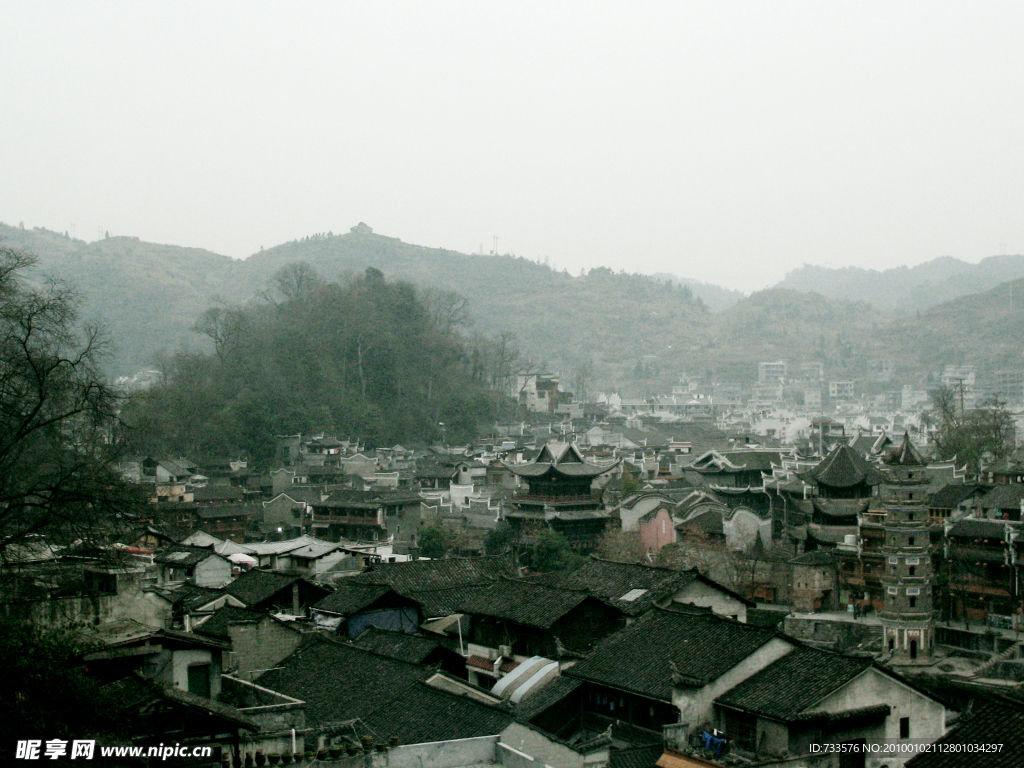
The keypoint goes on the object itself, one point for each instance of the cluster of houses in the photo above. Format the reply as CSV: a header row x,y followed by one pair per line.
x,y
289,610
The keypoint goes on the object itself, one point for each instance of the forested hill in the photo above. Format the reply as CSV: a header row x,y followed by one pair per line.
x,y
907,289
633,332
150,295
983,329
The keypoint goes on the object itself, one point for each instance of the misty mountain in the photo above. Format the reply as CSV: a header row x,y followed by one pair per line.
x,y
635,332
907,289
150,295
715,297
982,329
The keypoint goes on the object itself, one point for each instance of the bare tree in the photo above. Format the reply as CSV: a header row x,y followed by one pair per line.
x,y
292,281
449,311
223,325
623,547
975,436
59,432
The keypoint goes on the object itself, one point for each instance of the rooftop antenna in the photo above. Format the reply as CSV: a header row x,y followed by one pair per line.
x,y
495,245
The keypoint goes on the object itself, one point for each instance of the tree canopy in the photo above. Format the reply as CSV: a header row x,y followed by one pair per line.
x,y
371,359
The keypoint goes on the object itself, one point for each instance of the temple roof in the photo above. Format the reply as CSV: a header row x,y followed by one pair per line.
x,y
906,455
843,468
563,459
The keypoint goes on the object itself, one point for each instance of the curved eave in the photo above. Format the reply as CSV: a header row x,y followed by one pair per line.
x,y
535,470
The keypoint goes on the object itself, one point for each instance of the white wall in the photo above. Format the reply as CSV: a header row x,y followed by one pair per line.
x,y
927,717
631,517
525,739
182,660
695,704
706,596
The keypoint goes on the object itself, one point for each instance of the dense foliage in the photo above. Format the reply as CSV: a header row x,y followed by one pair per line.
x,y
369,359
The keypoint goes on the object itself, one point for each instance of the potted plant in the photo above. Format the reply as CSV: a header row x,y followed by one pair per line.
x,y
286,758
274,758
261,759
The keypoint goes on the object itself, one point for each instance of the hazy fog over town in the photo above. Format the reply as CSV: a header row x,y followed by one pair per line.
x,y
570,384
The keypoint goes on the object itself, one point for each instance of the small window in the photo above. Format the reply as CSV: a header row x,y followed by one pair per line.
x,y
913,602
910,541
911,570
904,727
199,680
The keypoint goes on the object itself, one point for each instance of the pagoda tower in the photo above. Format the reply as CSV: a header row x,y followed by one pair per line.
x,y
908,618
558,496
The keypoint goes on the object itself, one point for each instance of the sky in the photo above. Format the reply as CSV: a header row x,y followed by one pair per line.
x,y
727,142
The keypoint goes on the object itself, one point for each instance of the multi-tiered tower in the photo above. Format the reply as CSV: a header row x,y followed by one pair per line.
x,y
907,619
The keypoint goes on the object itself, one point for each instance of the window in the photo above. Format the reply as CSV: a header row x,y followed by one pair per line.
x,y
911,570
904,727
199,680
910,541
913,602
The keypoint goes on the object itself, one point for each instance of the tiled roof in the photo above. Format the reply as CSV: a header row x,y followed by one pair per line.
x,y
217,492
640,658
613,581
565,460
132,692
182,557
397,645
843,468
973,528
217,624
814,557
301,493
794,684
951,495
281,547
188,597
840,507
548,695
422,575
523,602
998,721
1006,496
255,586
740,460
341,682
226,510
646,756
348,599
905,455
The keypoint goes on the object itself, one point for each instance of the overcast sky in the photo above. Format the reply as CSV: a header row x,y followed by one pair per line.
x,y
728,142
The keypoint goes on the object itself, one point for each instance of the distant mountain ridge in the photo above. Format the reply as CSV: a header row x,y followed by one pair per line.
x,y
636,333
907,289
150,295
715,297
